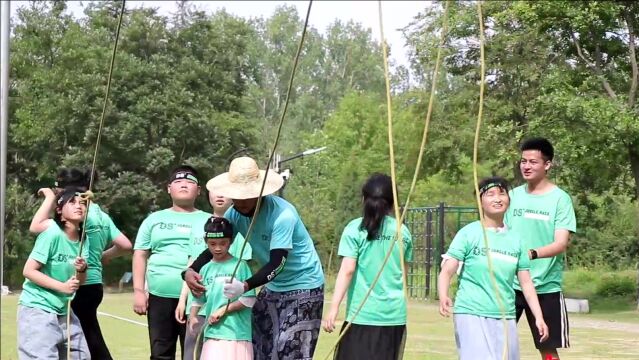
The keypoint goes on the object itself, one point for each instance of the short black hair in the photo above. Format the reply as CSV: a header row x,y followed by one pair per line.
x,y
541,144
218,227
490,182
74,177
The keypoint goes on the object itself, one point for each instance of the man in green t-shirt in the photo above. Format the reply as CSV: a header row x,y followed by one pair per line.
x,y
543,216
161,252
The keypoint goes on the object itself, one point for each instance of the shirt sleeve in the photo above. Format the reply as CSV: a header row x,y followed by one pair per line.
x,y
408,247
349,242
247,254
143,238
283,228
112,231
565,216
41,251
459,247
524,260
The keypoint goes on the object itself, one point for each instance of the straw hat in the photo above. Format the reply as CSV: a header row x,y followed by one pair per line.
x,y
244,180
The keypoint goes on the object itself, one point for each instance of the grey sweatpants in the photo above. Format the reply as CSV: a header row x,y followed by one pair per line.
x,y
191,342
483,338
43,335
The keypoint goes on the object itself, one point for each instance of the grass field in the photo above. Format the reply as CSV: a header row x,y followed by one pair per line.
x,y
595,336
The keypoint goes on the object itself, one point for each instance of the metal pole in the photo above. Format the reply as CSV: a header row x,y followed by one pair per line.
x,y
5,16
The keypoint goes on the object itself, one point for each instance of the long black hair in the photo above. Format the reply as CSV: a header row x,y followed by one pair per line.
x,y
378,201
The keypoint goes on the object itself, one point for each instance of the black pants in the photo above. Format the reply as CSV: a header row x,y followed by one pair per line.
x,y
164,330
85,306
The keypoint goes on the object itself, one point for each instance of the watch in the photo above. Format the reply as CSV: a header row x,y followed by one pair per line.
x,y
533,254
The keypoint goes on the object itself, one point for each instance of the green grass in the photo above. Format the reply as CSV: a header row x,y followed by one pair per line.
x,y
596,336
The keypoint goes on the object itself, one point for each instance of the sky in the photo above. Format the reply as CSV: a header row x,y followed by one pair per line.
x,y
397,14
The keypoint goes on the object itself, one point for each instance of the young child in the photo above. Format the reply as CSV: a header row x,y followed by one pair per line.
x,y
227,334
51,282
193,342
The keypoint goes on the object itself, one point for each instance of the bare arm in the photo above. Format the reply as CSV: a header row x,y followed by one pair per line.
x,y
235,306
32,272
140,258
140,300
562,239
528,288
121,246
222,311
449,268
344,277
39,223
185,288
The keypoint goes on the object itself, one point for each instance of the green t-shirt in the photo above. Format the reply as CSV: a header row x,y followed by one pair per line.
x,y
57,253
100,231
386,305
235,325
198,245
165,234
535,218
476,294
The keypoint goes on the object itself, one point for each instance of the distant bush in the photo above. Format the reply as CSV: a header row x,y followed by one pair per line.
x,y
616,285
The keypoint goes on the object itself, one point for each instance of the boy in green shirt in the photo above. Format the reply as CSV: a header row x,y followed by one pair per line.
x,y
543,216
161,252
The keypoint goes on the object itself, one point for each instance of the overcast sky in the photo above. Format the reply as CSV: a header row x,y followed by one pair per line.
x,y
397,14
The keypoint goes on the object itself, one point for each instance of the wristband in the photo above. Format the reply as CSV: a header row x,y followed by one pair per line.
x,y
533,254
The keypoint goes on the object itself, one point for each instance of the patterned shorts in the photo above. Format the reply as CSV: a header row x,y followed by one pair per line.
x,y
286,325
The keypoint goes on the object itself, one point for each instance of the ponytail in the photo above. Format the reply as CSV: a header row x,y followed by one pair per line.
x,y
378,200
375,209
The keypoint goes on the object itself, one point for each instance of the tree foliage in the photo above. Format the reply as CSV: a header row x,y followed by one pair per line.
x,y
195,87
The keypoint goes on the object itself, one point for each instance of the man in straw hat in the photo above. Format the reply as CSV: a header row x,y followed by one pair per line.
x,y
287,316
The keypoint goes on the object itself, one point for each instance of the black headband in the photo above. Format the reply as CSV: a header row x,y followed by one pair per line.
x,y
489,186
184,175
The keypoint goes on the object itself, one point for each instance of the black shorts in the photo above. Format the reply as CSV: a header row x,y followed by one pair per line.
x,y
553,307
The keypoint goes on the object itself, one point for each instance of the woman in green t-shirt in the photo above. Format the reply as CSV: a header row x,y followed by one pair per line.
x,y
53,273
379,330
484,310
100,231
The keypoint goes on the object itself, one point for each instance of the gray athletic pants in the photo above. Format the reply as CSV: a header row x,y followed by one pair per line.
x,y
43,335
479,337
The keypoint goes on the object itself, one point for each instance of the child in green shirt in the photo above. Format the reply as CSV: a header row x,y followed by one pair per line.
x,y
53,273
227,334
